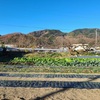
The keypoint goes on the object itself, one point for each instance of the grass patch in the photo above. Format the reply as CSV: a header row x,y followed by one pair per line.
x,y
45,69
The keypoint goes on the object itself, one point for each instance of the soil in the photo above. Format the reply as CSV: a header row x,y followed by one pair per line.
x,y
22,93
49,94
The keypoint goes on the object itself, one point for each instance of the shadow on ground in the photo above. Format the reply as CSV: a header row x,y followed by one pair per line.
x,y
61,90
67,87
9,55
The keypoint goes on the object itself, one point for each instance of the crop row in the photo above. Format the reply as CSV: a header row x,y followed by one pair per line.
x,y
54,84
49,75
79,62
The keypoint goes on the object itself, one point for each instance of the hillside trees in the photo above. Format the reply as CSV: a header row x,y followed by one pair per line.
x,y
52,38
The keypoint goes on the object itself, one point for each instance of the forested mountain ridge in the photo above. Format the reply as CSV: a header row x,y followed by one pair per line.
x,y
46,33
51,38
86,32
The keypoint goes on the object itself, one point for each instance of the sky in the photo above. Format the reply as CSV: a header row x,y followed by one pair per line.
x,y
31,15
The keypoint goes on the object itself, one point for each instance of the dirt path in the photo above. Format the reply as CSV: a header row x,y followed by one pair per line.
x,y
51,73
51,79
50,94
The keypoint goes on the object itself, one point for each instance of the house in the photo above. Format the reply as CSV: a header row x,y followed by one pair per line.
x,y
79,47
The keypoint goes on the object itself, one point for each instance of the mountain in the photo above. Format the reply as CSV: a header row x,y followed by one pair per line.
x,y
46,33
47,38
19,39
40,38
88,32
51,38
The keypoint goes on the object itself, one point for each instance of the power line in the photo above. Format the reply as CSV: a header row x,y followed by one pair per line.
x,y
25,26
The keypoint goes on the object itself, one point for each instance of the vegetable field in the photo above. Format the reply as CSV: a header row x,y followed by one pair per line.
x,y
48,69
54,65
77,62
49,75
53,84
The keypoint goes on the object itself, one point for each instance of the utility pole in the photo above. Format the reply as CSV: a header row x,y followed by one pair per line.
x,y
96,37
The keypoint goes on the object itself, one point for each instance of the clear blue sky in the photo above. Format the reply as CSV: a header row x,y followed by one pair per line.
x,y
30,15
